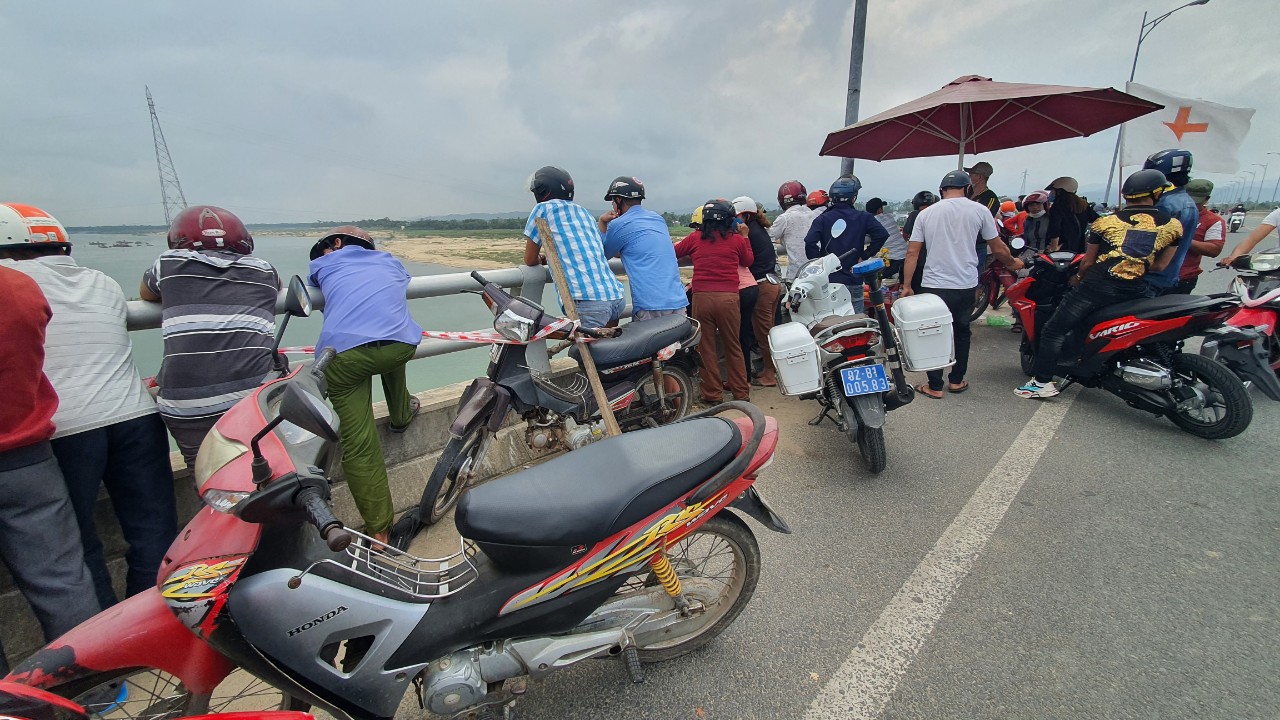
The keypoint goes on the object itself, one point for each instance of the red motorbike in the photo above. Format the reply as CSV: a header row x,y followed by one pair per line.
x,y
621,549
1249,344
1134,350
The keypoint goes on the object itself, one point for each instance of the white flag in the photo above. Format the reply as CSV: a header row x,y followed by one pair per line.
x,y
1212,132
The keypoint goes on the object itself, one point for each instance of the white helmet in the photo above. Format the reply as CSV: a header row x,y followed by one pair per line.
x,y
26,225
744,204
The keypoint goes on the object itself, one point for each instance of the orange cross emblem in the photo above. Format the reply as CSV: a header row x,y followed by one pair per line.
x,y
1181,125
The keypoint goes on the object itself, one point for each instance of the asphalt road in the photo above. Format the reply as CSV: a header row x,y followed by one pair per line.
x,y
1135,573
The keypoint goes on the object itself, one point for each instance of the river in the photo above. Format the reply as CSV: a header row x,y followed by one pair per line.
x,y
289,255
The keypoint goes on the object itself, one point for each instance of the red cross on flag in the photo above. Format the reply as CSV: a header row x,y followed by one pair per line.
x,y
1212,132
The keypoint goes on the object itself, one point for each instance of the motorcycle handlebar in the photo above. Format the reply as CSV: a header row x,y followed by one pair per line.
x,y
322,361
475,275
321,515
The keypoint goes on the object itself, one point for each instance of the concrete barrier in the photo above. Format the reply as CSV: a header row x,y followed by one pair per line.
x,y
410,458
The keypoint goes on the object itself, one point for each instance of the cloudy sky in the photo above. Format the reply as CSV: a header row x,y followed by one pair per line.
x,y
325,109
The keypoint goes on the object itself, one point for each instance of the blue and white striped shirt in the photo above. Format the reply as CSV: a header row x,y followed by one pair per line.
x,y
581,249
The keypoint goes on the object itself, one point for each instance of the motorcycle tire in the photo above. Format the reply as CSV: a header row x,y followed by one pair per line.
x,y
443,487
682,400
725,531
870,441
1219,383
156,695
981,298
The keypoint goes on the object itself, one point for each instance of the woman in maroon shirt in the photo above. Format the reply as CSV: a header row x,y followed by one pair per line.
x,y
717,252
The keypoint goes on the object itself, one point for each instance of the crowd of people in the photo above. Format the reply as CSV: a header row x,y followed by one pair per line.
x,y
80,419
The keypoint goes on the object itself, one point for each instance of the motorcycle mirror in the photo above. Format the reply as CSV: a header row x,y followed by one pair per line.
x,y
308,412
838,227
297,299
1018,243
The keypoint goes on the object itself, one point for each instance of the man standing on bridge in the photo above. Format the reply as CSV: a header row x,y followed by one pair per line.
x,y
640,236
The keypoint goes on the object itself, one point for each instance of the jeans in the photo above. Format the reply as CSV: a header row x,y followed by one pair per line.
x,y
1075,307
350,378
130,459
721,318
982,260
857,298
1184,287
40,544
638,315
599,313
189,433
747,298
960,303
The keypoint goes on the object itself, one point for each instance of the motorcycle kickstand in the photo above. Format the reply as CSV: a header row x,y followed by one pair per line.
x,y
824,415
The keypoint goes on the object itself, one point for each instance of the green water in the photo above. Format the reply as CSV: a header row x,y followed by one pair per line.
x,y
289,256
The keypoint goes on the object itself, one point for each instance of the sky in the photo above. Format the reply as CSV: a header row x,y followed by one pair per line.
x,y
331,110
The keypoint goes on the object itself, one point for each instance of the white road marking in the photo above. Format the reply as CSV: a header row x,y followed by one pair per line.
x,y
863,684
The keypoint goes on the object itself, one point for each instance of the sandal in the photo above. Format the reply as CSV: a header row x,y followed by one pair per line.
x,y
415,406
957,389
924,389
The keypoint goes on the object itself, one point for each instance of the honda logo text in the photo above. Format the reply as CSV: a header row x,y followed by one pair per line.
x,y
327,616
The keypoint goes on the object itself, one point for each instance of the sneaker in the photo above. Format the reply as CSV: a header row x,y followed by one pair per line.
x,y
1034,389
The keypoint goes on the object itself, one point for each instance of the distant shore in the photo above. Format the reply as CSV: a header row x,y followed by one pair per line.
x,y
478,253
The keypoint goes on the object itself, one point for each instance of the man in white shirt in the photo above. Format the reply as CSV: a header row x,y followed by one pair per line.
x,y
947,229
790,227
107,429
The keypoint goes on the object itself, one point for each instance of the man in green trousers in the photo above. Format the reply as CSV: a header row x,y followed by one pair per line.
x,y
367,321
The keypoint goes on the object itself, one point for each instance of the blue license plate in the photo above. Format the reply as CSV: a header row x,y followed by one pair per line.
x,y
864,380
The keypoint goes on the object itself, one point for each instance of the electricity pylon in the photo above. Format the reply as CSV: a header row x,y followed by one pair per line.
x,y
170,188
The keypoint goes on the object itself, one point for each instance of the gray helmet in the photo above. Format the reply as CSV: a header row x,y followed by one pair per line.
x,y
955,179
626,188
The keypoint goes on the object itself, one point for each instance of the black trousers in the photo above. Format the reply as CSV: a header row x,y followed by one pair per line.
x,y
1076,306
960,303
747,298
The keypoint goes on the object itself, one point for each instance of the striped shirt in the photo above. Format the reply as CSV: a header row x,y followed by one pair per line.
x,y
218,322
87,352
581,249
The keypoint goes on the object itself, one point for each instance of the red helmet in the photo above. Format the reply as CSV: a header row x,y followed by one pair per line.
x,y
790,193
206,227
818,198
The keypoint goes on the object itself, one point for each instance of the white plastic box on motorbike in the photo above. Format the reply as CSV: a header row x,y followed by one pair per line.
x,y
795,356
922,325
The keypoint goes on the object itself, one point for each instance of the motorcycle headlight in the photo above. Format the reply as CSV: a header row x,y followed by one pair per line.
x,y
1265,261
215,452
512,326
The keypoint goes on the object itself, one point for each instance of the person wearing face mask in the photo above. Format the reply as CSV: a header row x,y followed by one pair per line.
x,y
1066,229
1036,228
641,238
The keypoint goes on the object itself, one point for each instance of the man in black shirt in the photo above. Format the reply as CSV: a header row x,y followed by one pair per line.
x,y
979,174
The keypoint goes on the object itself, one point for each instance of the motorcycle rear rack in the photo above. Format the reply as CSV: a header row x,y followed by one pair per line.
x,y
424,578
571,389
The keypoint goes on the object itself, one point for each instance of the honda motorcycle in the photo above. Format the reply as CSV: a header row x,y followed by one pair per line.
x,y
1248,344
622,549
645,368
852,352
1134,350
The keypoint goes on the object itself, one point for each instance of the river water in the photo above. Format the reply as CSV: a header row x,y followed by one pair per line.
x,y
289,255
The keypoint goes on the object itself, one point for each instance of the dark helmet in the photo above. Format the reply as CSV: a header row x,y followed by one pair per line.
x,y
622,187
207,227
350,234
955,179
1144,183
717,211
817,199
1174,164
790,193
845,189
551,183
923,199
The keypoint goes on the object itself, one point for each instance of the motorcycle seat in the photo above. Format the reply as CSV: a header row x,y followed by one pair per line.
x,y
1152,308
831,321
638,340
585,496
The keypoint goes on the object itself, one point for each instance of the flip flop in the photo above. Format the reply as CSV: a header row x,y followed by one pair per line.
x,y
925,390
957,389
415,406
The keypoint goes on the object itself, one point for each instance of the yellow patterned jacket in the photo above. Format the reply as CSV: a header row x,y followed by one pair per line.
x,y
1130,240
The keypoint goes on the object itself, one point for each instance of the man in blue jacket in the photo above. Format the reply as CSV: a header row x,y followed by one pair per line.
x,y
1176,166
843,228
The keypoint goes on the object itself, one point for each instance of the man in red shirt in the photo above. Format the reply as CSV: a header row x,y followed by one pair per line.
x,y
1211,235
39,537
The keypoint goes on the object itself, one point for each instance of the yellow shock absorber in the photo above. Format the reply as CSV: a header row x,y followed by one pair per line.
x,y
666,574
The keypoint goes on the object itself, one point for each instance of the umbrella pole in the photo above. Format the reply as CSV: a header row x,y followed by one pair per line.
x,y
960,162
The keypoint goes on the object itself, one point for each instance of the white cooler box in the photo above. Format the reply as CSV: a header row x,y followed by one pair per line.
x,y
922,325
795,356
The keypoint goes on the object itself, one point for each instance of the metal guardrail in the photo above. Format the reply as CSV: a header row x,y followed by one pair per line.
x,y
530,280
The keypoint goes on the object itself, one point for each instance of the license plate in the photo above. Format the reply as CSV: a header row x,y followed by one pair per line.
x,y
864,379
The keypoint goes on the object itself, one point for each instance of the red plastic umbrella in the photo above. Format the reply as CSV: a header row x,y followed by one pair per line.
x,y
974,114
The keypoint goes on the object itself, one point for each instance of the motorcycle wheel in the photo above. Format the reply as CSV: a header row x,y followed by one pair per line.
x,y
150,694
679,402
444,487
870,441
1228,410
719,566
981,298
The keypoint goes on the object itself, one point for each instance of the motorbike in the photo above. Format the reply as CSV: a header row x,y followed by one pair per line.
x,y
846,374
1235,221
19,702
994,283
1134,350
645,367
1248,344
623,549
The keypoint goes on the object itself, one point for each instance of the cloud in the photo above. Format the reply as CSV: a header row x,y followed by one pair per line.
x,y
326,109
